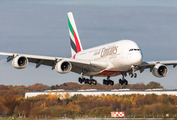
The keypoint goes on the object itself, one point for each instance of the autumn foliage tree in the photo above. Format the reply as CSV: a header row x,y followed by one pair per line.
x,y
12,101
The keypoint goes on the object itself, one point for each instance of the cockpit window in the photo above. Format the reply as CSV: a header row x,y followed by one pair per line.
x,y
134,50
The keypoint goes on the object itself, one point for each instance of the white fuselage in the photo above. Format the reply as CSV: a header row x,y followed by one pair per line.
x,y
120,56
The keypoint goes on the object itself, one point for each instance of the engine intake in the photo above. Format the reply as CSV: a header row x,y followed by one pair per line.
x,y
20,62
160,70
63,67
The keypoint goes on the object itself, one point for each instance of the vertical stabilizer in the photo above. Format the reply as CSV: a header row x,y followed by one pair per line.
x,y
74,36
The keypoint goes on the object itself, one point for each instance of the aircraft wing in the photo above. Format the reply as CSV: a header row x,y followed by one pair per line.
x,y
52,61
150,64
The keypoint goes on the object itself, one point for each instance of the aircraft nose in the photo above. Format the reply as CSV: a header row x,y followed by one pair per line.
x,y
137,58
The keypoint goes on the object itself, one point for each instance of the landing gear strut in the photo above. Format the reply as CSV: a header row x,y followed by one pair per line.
x,y
108,81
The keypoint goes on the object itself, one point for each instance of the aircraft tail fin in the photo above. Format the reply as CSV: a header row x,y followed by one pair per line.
x,y
74,36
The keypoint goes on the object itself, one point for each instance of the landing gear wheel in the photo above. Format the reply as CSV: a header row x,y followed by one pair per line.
x,y
111,82
135,75
80,80
131,75
126,82
122,81
94,82
107,82
89,82
104,81
86,81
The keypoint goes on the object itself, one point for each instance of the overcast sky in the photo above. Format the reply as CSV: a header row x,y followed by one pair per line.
x,y
40,27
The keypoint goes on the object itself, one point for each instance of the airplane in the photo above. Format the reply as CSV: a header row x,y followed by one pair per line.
x,y
118,58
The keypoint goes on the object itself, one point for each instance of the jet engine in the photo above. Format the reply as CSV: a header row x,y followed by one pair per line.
x,y
63,67
160,70
20,62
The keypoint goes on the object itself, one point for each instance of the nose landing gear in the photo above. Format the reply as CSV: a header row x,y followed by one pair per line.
x,y
133,74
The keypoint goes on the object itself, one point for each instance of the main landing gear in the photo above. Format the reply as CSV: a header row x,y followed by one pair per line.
x,y
123,80
108,81
94,82
87,81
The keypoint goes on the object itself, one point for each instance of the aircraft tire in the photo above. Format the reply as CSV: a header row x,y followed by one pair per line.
x,y
104,82
90,82
126,82
94,82
80,80
83,80
135,75
120,81
86,81
111,82
131,75
107,82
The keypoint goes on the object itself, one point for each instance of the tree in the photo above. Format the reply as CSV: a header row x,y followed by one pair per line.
x,y
52,87
3,110
38,87
64,84
23,109
153,85
101,111
10,101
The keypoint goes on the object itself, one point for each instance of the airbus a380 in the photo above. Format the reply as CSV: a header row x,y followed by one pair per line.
x,y
118,58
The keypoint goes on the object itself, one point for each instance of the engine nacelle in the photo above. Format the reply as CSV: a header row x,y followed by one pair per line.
x,y
63,67
20,62
160,70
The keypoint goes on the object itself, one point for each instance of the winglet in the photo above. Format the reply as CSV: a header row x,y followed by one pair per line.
x,y
74,36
